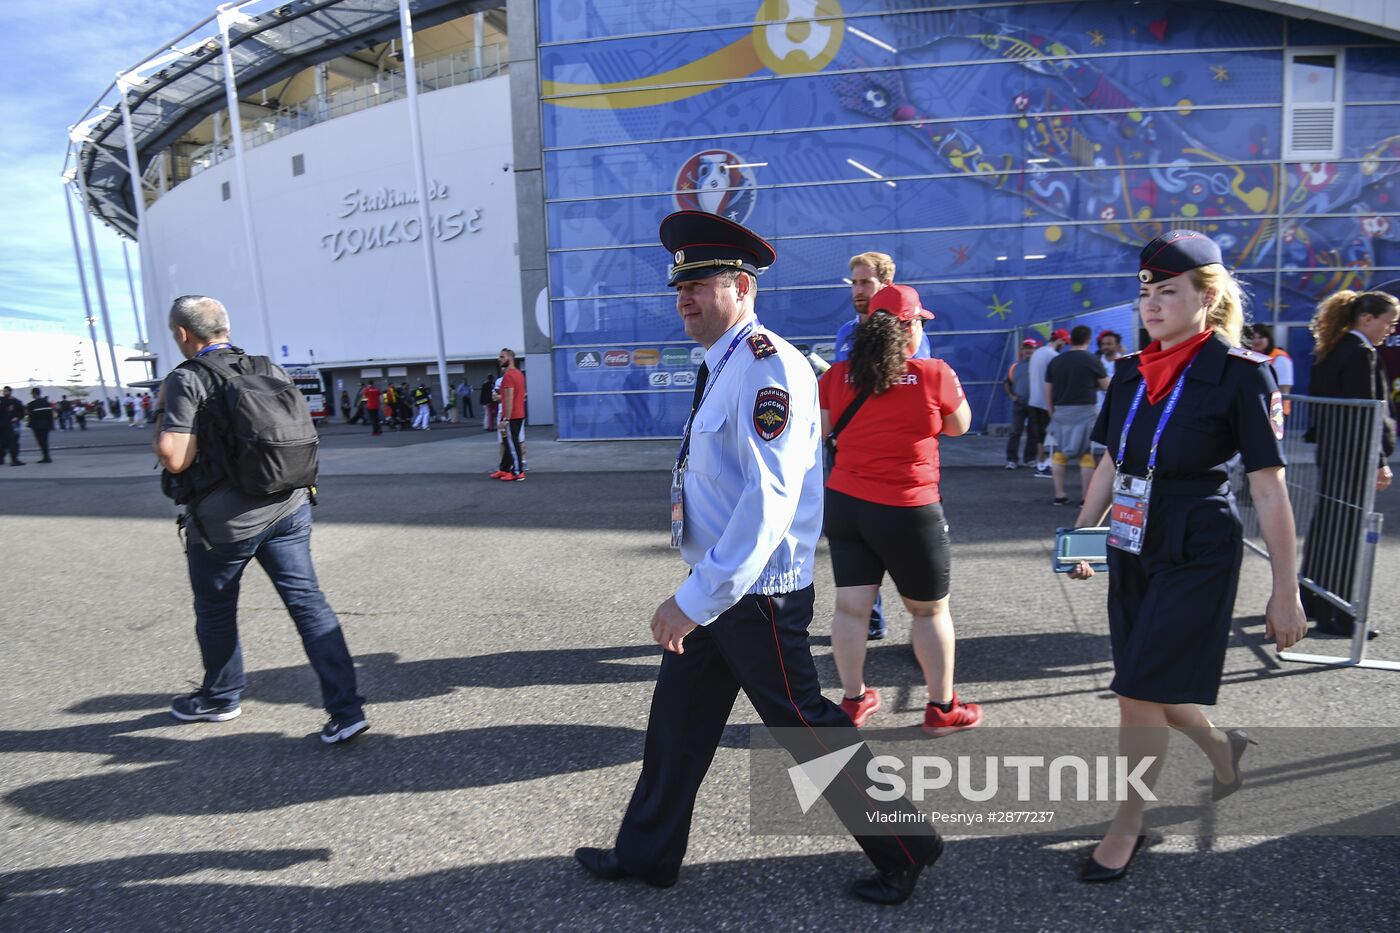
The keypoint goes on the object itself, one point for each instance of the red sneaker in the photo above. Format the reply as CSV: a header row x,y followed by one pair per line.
x,y
518,477
504,477
961,716
498,474
861,710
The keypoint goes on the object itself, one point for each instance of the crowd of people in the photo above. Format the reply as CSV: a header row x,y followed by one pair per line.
x,y
44,416
752,493
503,401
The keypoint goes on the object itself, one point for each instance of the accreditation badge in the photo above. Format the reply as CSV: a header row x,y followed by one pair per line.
x,y
1127,518
677,506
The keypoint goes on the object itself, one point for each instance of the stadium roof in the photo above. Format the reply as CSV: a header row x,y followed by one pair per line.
x,y
180,85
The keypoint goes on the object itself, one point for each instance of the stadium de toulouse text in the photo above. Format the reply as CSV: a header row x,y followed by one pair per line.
x,y
355,240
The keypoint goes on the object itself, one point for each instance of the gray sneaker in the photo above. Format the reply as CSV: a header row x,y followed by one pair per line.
x,y
343,730
193,707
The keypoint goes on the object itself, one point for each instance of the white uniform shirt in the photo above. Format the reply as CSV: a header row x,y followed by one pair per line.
x,y
1040,362
753,507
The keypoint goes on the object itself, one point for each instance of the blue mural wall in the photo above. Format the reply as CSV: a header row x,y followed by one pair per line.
x,y
1012,158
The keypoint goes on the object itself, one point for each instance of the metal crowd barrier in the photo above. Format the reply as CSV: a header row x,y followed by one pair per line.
x,y
1332,446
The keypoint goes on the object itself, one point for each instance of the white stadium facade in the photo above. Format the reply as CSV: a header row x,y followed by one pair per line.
x,y
1012,155
306,223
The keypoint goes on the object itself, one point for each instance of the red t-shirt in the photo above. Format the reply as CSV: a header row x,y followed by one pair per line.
x,y
514,379
372,398
888,453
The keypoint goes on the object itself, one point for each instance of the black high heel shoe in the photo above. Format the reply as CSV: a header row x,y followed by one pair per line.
x,y
1239,741
1095,873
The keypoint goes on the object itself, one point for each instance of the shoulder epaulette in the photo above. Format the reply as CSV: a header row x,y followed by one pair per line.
x,y
1250,355
761,346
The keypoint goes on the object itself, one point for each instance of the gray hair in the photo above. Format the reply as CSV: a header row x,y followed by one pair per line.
x,y
203,317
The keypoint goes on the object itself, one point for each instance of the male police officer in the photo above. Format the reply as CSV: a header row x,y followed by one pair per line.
x,y
746,514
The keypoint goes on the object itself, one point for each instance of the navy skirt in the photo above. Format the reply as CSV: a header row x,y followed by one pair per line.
x,y
1169,608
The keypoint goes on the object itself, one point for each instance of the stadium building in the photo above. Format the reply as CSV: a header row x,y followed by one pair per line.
x,y
1011,156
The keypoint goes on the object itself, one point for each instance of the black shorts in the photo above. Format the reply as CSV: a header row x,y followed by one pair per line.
x,y
910,542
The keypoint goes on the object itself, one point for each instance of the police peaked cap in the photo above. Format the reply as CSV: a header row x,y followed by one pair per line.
x,y
1175,252
702,244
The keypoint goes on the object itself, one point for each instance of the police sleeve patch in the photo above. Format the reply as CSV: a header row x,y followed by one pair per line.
x,y
761,346
771,412
1276,414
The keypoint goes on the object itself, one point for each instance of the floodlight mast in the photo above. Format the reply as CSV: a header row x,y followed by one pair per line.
x,y
420,172
228,14
68,179
138,196
96,267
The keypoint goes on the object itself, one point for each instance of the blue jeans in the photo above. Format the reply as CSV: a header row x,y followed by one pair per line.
x,y
284,551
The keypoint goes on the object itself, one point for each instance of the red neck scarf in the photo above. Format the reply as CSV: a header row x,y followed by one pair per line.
x,y
1161,368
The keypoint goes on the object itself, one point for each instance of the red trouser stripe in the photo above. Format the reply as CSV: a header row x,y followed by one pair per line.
x,y
778,647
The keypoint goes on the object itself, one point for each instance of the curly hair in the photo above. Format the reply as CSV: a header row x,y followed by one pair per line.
x,y
881,353
1339,313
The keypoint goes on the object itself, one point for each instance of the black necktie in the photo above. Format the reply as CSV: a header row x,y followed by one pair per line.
x,y
700,379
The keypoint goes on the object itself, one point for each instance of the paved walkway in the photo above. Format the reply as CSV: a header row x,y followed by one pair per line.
x,y
501,635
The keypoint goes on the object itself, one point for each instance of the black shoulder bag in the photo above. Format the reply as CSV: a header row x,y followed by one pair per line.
x,y
830,441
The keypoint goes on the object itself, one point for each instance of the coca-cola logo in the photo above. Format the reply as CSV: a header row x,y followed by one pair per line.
x,y
617,358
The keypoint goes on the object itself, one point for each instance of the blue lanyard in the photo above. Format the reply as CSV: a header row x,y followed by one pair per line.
x,y
709,384
1161,422
216,346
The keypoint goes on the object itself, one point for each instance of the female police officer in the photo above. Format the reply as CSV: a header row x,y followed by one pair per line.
x,y
1173,415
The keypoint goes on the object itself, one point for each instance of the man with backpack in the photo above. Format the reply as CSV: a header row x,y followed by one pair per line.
x,y
240,453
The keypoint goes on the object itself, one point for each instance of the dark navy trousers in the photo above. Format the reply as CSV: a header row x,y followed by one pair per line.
x,y
759,646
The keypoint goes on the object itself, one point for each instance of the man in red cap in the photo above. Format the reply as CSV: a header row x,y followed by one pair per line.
x,y
1038,407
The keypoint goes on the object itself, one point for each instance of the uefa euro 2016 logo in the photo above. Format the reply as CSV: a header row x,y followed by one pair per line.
x,y
717,181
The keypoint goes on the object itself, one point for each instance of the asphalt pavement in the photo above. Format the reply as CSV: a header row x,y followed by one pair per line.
x,y
501,635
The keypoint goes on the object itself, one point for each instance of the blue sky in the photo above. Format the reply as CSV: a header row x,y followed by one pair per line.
x,y
60,55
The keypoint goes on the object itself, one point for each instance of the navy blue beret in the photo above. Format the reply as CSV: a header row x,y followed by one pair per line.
x,y
702,244
1175,252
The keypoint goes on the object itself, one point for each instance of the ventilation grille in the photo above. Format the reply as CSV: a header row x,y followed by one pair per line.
x,y
1313,131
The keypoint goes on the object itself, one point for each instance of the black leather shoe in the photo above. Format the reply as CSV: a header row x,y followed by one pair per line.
x,y
895,887
1094,873
603,863
600,862
1239,741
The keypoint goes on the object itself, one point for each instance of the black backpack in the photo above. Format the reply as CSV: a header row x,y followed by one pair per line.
x,y
260,434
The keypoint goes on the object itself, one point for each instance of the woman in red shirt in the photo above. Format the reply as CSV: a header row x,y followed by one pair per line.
x,y
883,510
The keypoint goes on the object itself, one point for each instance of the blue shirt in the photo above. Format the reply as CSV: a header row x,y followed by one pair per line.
x,y
753,506
846,339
